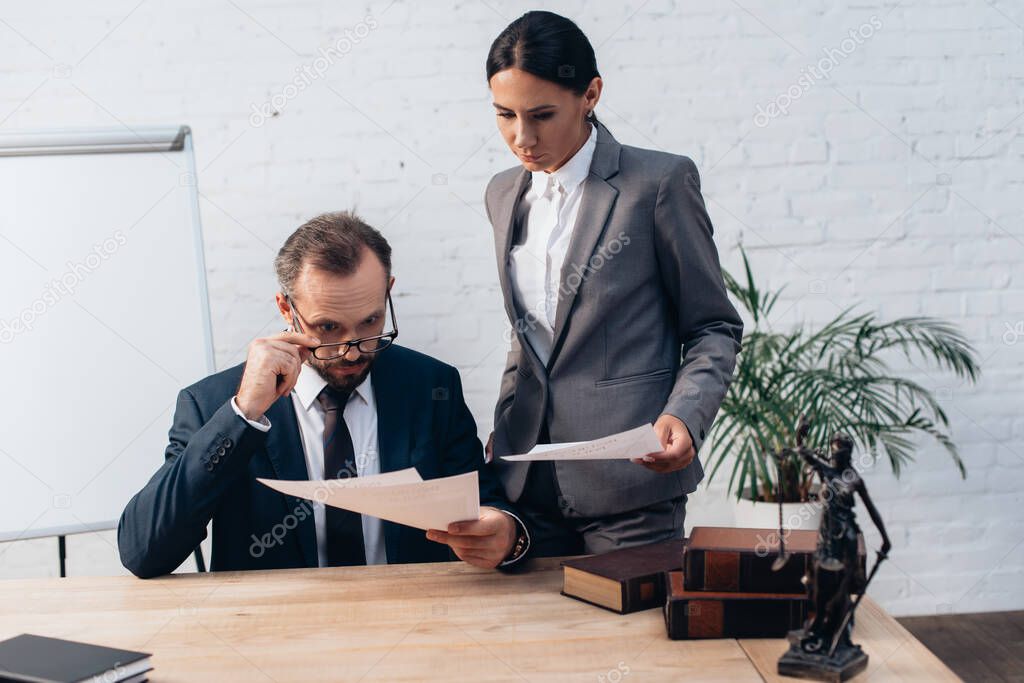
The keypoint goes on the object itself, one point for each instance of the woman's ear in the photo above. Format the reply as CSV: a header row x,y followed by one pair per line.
x,y
593,93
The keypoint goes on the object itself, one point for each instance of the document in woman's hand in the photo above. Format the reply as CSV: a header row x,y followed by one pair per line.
x,y
634,443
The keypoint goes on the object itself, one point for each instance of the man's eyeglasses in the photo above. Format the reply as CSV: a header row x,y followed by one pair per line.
x,y
366,345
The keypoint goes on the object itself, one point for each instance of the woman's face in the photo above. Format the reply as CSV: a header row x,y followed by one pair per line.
x,y
542,122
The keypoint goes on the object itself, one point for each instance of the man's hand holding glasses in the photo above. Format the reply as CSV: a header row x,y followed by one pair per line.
x,y
271,370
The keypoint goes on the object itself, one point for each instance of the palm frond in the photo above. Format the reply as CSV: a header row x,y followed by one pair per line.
x,y
839,375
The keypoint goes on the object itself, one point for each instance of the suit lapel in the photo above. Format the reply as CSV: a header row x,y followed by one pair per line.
x,y
284,448
393,444
595,206
505,225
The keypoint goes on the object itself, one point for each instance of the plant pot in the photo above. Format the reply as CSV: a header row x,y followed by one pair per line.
x,y
761,515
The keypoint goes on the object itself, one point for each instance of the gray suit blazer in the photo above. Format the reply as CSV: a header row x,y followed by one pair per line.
x,y
643,327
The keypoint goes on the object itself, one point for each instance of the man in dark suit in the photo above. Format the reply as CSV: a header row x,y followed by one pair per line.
x,y
332,397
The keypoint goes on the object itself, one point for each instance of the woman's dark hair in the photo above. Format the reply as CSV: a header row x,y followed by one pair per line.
x,y
547,45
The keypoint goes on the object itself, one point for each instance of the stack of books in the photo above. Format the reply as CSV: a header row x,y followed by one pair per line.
x,y
718,583
728,589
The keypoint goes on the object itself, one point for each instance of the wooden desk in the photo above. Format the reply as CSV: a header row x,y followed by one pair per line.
x,y
447,621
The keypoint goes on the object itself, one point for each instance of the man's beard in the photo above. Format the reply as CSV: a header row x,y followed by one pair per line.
x,y
344,384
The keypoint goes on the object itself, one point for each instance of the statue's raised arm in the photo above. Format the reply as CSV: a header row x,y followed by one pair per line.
x,y
808,455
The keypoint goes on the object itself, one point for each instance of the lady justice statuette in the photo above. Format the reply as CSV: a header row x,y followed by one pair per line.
x,y
823,648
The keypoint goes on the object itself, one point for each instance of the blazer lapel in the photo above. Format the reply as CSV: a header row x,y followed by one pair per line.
x,y
595,206
393,444
505,226
284,449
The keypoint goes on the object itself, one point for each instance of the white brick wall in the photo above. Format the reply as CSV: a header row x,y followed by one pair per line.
x,y
909,154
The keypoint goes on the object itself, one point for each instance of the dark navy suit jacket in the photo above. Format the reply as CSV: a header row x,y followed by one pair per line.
x,y
214,457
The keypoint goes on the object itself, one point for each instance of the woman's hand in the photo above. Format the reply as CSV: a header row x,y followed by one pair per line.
x,y
675,439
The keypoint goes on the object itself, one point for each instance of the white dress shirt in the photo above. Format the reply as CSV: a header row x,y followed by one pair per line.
x,y
548,210
361,419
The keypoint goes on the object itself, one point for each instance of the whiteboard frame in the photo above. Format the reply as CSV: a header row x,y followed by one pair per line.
x,y
142,139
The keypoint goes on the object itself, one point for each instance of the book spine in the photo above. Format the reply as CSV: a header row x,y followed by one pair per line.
x,y
688,618
644,592
743,572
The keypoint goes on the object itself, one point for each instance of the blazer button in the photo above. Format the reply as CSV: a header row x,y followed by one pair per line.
x,y
215,459
209,467
221,451
228,443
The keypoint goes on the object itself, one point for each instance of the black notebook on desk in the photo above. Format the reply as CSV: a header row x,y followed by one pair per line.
x,y
45,660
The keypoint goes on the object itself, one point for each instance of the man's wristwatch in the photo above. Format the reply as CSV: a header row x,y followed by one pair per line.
x,y
521,544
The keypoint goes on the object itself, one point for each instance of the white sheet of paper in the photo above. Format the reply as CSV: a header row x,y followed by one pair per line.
x,y
410,475
545,447
634,443
401,496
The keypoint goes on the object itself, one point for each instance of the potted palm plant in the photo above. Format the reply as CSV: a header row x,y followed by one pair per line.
x,y
838,376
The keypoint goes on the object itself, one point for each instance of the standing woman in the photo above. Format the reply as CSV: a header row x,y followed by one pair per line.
x,y
612,284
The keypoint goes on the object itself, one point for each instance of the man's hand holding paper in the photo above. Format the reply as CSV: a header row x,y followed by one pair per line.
x,y
483,542
401,497
447,508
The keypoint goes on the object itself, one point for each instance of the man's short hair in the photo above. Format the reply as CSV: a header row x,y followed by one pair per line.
x,y
333,242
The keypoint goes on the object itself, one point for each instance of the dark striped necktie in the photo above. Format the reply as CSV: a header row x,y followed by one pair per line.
x,y
344,528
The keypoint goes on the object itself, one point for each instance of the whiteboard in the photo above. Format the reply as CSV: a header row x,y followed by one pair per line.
x,y
104,318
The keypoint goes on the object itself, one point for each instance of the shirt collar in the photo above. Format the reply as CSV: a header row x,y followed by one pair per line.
x,y
310,384
572,172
